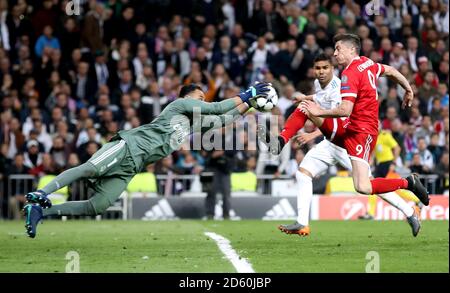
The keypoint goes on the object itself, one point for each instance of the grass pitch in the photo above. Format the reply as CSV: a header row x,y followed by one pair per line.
x,y
181,246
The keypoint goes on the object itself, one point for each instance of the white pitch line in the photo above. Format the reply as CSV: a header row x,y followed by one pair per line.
x,y
240,264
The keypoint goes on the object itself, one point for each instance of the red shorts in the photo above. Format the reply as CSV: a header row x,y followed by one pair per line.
x,y
358,145
334,130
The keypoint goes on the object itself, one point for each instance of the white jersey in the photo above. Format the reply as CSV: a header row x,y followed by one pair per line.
x,y
326,153
330,96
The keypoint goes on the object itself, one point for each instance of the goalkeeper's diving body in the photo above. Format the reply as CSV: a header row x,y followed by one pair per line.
x,y
111,168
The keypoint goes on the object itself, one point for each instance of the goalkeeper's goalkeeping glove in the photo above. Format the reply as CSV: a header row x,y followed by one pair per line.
x,y
259,89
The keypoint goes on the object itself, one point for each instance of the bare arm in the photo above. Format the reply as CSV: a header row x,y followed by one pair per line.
x,y
396,151
304,138
302,97
396,76
343,110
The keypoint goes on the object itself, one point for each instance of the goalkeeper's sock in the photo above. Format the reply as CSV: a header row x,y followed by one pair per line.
x,y
71,208
383,185
294,123
304,197
65,178
395,200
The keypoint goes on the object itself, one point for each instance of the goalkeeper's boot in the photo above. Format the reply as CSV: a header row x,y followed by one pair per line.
x,y
40,198
274,144
33,215
414,221
295,228
418,189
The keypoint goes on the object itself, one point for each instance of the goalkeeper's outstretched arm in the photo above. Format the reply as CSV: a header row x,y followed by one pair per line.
x,y
218,121
194,105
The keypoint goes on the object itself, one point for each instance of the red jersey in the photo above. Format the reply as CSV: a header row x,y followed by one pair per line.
x,y
359,85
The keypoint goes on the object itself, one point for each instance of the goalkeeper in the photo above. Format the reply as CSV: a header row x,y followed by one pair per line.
x,y
111,168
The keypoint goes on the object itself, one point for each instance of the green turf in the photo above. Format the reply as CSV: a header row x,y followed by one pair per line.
x,y
181,246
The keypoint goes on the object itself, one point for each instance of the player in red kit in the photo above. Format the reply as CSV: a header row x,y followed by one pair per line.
x,y
360,103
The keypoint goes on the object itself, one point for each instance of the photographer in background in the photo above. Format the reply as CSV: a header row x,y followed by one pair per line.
x,y
220,163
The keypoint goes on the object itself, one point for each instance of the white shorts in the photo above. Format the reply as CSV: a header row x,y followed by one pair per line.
x,y
324,155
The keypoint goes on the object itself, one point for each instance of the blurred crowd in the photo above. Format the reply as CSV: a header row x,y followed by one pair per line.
x,y
69,82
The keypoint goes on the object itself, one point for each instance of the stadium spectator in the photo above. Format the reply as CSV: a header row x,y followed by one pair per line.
x,y
416,165
46,40
267,19
434,147
426,157
59,153
32,157
387,152
17,194
93,30
443,94
442,170
13,137
426,128
414,53
44,16
221,164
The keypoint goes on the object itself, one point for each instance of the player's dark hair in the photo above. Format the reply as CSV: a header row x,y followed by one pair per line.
x,y
322,57
351,38
187,89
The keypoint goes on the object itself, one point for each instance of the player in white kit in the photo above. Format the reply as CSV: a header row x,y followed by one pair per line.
x,y
323,155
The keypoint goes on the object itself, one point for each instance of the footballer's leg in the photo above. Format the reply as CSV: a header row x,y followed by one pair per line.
x,y
362,183
359,147
304,196
107,161
106,192
108,152
366,184
85,170
114,168
33,215
316,161
38,203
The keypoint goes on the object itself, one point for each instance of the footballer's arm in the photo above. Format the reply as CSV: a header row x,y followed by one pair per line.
x,y
304,137
344,109
396,76
217,121
302,97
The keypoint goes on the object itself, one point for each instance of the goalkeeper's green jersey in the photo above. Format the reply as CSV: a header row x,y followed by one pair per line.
x,y
166,133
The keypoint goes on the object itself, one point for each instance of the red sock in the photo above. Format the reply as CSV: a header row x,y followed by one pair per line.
x,y
383,185
293,124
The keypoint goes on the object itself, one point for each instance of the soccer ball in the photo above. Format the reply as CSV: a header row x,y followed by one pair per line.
x,y
265,104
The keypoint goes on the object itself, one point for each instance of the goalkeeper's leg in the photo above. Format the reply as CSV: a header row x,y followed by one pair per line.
x,y
110,155
86,170
106,192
